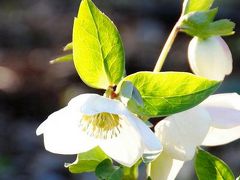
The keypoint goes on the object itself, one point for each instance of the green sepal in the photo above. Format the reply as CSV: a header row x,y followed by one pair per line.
x,y
65,58
208,166
98,52
87,161
196,5
166,93
107,171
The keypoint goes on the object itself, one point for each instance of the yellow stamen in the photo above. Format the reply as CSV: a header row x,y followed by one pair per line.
x,y
102,126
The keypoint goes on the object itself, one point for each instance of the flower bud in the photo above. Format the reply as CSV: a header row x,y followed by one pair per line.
x,y
210,58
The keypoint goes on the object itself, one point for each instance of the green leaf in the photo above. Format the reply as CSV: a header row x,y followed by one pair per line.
x,y
106,171
97,48
87,161
238,178
201,18
208,166
196,5
65,58
167,93
201,24
195,24
223,27
68,47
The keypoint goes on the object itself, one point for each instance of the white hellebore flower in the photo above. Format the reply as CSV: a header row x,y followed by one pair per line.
x,y
216,121
91,120
210,58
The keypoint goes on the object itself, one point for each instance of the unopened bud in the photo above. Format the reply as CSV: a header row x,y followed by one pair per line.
x,y
210,58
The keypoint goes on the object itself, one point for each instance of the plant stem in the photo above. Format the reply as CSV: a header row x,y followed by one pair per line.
x,y
148,169
167,48
131,173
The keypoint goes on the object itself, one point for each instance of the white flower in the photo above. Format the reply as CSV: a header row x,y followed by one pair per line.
x,y
216,121
91,120
210,58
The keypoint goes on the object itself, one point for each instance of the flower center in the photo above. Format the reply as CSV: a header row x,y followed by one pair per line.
x,y
101,126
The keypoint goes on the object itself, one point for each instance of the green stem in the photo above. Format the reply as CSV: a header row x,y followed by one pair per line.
x,y
148,169
132,172
167,47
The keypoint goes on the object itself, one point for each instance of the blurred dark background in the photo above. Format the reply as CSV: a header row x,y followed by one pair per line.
x,y
32,32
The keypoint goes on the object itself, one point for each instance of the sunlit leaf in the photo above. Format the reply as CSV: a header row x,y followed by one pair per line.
x,y
196,5
166,93
65,58
68,47
97,48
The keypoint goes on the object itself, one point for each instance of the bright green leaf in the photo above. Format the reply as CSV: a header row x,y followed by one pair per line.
x,y
208,166
97,48
87,161
167,93
68,47
106,171
201,24
196,5
238,178
65,58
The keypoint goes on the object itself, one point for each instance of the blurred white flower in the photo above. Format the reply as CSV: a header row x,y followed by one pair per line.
x,y
216,121
210,58
91,120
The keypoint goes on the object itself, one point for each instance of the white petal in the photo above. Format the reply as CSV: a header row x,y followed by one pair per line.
x,y
152,145
225,100
93,104
62,134
127,147
224,110
182,132
223,118
217,136
165,167
210,58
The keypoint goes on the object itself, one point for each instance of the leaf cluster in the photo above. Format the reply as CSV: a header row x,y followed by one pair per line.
x,y
198,20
